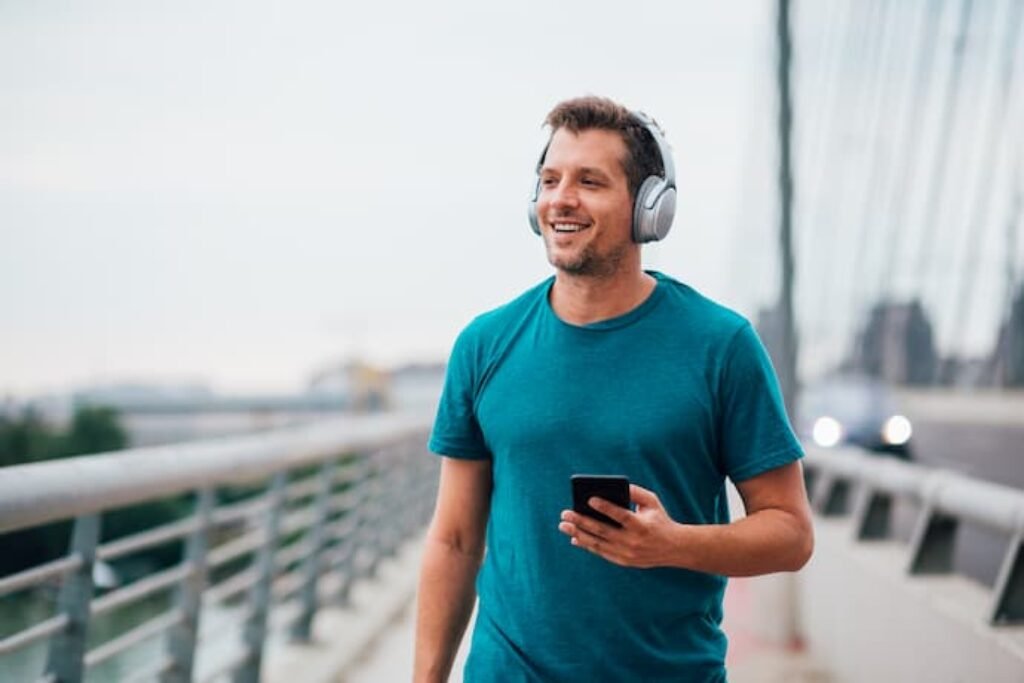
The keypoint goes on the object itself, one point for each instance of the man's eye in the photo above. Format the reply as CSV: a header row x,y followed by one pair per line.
x,y
590,182
549,182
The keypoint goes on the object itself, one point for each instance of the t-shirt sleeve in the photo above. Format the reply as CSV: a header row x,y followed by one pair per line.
x,y
754,432
456,432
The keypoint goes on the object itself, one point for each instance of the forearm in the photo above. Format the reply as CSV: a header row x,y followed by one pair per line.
x,y
444,604
769,540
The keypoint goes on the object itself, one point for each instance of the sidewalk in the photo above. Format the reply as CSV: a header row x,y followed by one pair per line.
x,y
750,659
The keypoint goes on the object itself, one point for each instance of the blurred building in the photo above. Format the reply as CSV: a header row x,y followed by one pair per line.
x,y
366,388
417,386
414,386
897,344
1008,357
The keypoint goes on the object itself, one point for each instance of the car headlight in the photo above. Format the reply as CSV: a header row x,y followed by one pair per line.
x,y
827,432
897,430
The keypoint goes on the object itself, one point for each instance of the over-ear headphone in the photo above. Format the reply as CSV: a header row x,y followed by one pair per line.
x,y
655,202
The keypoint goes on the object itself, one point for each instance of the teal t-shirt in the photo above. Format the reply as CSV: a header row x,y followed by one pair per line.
x,y
677,395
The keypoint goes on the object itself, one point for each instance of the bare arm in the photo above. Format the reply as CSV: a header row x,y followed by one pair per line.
x,y
451,558
776,535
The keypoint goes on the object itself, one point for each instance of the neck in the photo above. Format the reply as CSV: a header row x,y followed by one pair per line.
x,y
581,299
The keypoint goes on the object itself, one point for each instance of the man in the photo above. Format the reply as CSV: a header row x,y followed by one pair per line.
x,y
603,369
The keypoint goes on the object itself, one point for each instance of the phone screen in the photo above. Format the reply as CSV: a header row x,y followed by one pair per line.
x,y
611,487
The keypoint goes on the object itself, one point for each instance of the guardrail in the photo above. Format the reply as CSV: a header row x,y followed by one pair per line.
x,y
324,504
847,481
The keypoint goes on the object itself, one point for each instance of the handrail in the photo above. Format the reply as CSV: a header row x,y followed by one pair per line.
x,y
147,629
286,543
33,633
44,492
143,587
945,499
147,539
39,574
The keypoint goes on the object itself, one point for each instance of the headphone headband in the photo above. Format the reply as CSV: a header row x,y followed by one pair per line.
x,y
663,150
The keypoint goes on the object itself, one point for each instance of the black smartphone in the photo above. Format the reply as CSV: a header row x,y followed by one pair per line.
x,y
611,487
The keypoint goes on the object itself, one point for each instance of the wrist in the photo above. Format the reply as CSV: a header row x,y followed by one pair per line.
x,y
680,546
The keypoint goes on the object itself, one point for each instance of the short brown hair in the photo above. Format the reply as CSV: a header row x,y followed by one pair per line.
x,y
587,113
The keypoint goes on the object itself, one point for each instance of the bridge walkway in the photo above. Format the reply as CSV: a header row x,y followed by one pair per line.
x,y
387,655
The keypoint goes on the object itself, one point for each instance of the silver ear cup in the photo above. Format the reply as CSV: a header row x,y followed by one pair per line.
x,y
531,208
645,195
663,212
653,209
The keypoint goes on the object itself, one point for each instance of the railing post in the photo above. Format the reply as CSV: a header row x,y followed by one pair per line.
x,y
370,524
391,495
349,545
412,490
873,515
318,537
181,640
424,480
831,495
255,629
931,548
66,658
1008,599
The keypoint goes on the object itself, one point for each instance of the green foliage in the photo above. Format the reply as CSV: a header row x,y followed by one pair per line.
x,y
28,438
95,430
92,429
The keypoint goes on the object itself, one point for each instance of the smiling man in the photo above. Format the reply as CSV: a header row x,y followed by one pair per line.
x,y
603,368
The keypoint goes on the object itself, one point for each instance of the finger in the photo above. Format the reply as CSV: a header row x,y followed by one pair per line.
x,y
574,531
588,524
590,542
644,497
598,547
619,514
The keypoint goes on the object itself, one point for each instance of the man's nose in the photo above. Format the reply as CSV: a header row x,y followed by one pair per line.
x,y
564,195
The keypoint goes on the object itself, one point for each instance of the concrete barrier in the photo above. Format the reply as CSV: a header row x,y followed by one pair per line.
x,y
867,619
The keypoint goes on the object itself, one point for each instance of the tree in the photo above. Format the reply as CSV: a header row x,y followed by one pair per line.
x,y
29,439
26,439
94,429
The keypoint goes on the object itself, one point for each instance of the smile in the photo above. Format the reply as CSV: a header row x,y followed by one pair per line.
x,y
568,227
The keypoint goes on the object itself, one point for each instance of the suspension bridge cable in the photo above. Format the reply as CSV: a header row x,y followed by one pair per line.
x,y
878,167
984,187
966,158
908,152
1013,373
940,164
829,71
864,44
827,63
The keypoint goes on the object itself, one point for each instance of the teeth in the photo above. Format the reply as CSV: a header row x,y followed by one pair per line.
x,y
567,227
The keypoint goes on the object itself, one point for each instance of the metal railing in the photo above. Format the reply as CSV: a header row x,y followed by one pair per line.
x,y
322,505
848,481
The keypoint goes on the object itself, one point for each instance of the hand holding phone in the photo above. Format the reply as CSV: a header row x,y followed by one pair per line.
x,y
611,487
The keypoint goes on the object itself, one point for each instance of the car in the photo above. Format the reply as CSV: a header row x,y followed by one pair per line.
x,y
854,410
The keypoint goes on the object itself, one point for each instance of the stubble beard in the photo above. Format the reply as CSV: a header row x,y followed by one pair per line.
x,y
589,263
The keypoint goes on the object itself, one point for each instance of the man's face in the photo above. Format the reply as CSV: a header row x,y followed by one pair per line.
x,y
584,207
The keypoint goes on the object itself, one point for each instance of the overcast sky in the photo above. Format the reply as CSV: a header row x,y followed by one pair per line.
x,y
242,192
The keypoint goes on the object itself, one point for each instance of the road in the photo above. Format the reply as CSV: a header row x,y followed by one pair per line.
x,y
994,452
